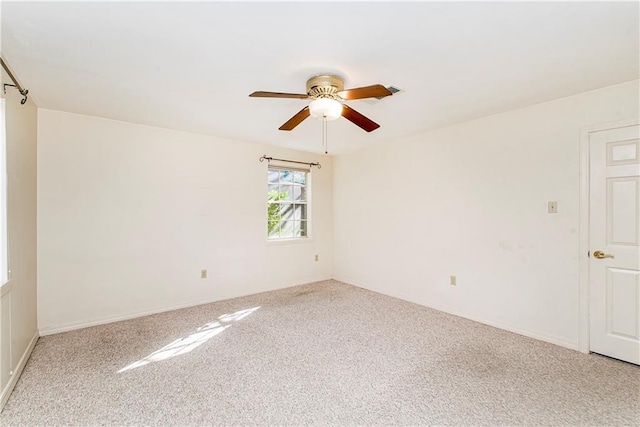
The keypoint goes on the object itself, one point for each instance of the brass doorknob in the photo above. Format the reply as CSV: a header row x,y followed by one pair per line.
x,y
600,255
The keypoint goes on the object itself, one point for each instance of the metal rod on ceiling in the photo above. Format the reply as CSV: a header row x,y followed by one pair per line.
x,y
268,159
15,84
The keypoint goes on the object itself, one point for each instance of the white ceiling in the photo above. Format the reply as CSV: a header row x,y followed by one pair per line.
x,y
191,66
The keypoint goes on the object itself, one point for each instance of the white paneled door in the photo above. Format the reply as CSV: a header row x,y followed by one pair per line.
x,y
614,234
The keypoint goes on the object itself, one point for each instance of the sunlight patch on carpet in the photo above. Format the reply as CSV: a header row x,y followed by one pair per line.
x,y
192,341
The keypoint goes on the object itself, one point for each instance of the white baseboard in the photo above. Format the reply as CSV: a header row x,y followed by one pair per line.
x,y
50,330
531,334
4,397
111,319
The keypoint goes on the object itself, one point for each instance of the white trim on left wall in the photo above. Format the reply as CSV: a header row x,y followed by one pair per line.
x,y
4,397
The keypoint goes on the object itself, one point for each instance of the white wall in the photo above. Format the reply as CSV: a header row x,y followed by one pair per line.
x,y
18,329
128,215
471,200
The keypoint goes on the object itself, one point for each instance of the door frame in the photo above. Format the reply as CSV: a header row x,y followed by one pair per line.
x,y
583,258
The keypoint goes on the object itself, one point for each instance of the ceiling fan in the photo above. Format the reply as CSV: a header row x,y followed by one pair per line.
x,y
327,93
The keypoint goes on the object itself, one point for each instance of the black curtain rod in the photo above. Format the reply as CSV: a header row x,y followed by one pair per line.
x,y
15,84
268,159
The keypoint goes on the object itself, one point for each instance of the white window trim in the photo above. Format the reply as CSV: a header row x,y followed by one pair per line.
x,y
292,241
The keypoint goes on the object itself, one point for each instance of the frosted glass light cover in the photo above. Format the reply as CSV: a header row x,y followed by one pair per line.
x,y
325,108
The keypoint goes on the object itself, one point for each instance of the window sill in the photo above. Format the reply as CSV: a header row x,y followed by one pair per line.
x,y
280,242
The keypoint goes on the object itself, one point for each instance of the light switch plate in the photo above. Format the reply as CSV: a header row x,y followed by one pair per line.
x,y
552,207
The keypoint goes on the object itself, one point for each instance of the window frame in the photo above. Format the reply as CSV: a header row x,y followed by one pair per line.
x,y
5,273
308,185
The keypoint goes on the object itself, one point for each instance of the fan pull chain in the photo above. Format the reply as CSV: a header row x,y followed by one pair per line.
x,y
324,135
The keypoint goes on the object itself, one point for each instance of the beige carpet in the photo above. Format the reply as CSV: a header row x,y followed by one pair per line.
x,y
320,354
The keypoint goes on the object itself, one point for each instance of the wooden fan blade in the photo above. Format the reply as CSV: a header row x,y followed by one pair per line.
x,y
375,91
296,120
261,94
358,119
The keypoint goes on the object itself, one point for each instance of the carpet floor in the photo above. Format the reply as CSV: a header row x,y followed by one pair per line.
x,y
320,354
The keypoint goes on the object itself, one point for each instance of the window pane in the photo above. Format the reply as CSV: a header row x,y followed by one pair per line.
x,y
300,193
273,212
286,192
273,228
300,228
286,176
273,176
286,211
300,212
272,192
286,229
300,177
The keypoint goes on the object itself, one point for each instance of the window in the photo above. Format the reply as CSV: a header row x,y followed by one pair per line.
x,y
4,258
287,203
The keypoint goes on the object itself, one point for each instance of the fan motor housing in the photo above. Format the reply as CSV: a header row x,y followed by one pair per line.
x,y
324,86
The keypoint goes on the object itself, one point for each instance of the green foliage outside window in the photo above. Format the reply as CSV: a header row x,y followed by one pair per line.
x,y
274,211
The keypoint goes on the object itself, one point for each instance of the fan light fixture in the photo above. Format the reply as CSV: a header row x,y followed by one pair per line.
x,y
327,93
325,108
